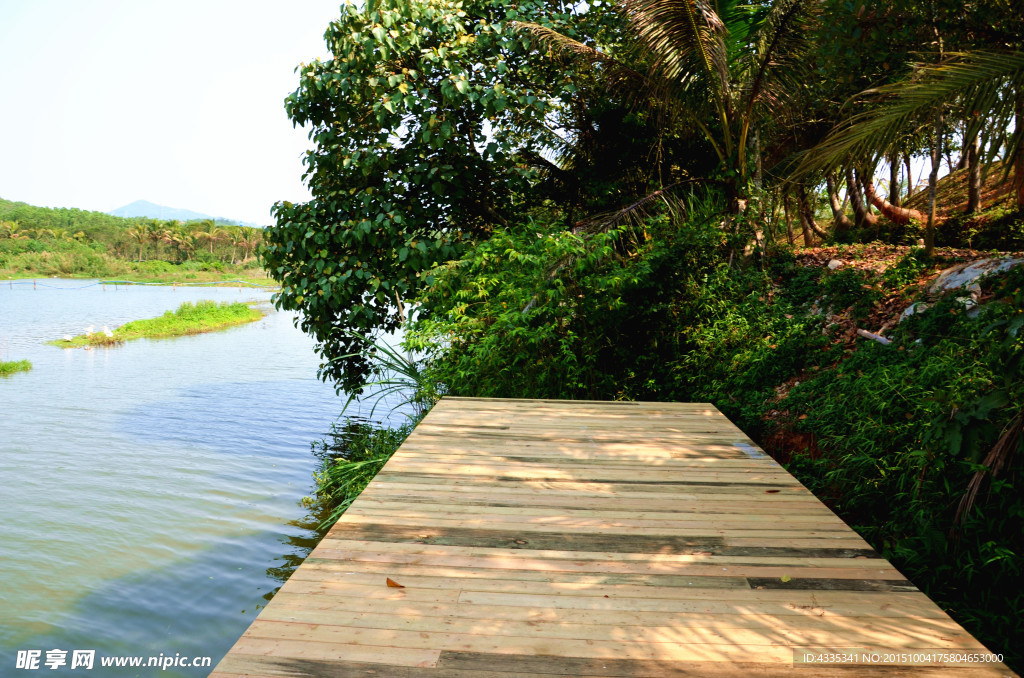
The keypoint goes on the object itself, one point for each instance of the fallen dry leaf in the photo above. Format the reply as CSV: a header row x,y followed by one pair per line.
x,y
393,584
785,578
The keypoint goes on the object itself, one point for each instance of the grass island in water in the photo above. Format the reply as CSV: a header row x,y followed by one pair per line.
x,y
203,316
12,366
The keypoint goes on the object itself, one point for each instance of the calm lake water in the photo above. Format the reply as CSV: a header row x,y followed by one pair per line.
x,y
149,491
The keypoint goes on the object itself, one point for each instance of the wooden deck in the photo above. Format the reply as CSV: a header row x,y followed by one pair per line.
x,y
567,538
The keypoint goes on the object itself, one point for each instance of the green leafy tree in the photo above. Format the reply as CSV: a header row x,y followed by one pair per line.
x,y
424,121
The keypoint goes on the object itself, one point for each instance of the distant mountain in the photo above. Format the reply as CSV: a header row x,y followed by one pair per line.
x,y
144,208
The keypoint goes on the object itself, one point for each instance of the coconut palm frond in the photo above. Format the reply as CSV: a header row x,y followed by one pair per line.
x,y
680,33
635,213
997,459
688,42
782,33
565,47
983,81
396,375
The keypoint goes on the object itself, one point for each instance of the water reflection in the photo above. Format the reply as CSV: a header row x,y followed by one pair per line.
x,y
151,491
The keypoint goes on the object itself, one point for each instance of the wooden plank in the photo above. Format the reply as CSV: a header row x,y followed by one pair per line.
x,y
784,556
343,607
543,538
617,567
356,637
713,631
426,509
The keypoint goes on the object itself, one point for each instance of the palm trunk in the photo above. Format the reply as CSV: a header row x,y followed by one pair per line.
x,y
805,228
965,151
807,212
1018,163
910,178
933,178
974,174
862,185
894,180
861,216
897,215
789,220
840,220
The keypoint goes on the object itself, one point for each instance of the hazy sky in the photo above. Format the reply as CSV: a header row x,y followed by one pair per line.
x,y
177,102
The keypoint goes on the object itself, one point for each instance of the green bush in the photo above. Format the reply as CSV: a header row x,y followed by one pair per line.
x,y
902,430
541,312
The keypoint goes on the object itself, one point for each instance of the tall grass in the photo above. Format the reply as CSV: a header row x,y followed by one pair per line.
x,y
350,458
8,368
395,374
356,451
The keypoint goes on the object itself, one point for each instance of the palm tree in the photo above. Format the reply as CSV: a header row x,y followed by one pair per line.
x,y
212,235
235,236
14,230
989,85
250,241
722,67
182,239
157,235
140,234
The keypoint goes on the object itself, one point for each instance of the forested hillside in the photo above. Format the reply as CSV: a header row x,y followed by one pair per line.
x,y
41,241
694,201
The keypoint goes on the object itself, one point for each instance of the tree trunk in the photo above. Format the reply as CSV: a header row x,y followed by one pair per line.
x,y
861,216
805,228
897,215
973,153
894,180
789,220
965,151
757,158
864,191
1018,163
839,218
910,178
933,178
807,212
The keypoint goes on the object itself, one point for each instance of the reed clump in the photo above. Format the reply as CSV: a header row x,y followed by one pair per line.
x,y
9,367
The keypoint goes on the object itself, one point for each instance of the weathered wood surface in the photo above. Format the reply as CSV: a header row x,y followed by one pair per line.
x,y
568,538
